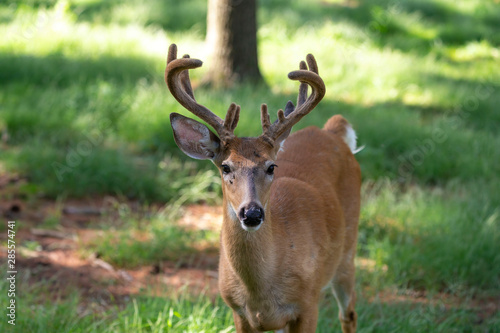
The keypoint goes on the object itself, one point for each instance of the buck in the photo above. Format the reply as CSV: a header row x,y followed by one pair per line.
x,y
290,208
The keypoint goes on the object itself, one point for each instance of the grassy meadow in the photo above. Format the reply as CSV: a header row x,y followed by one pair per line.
x,y
84,112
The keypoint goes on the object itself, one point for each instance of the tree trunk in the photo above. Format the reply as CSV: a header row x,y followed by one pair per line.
x,y
232,42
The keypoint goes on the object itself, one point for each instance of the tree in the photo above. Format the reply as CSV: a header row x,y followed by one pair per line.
x,y
232,42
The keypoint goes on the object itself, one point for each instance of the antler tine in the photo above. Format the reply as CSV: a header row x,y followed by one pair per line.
x,y
303,87
264,118
186,81
232,118
179,84
311,62
306,77
172,53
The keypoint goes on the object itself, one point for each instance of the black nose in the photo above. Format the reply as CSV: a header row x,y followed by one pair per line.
x,y
252,215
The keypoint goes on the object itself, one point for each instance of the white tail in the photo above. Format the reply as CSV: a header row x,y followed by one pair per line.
x,y
290,215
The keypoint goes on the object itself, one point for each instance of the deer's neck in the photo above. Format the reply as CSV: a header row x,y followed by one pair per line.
x,y
251,255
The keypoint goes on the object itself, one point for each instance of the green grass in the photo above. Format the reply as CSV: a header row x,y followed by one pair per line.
x,y
84,105
131,241
437,240
185,313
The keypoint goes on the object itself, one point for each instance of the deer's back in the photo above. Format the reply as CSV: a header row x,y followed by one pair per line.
x,y
316,198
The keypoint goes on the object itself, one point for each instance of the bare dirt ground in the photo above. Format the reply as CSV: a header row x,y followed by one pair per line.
x,y
55,258
60,264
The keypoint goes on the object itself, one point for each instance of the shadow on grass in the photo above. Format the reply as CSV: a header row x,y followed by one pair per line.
x,y
169,14
408,25
56,70
475,102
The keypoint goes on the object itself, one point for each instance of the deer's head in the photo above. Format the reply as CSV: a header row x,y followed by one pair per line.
x,y
246,165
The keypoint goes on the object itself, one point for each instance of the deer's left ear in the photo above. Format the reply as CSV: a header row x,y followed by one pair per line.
x,y
194,138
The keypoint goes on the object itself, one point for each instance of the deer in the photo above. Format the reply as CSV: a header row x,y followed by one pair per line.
x,y
291,204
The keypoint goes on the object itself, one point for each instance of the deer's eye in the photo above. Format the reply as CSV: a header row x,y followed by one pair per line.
x,y
225,169
270,170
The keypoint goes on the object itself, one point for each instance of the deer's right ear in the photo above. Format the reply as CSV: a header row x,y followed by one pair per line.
x,y
194,138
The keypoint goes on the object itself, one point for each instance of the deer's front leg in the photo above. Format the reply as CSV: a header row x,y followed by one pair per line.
x,y
242,325
306,323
